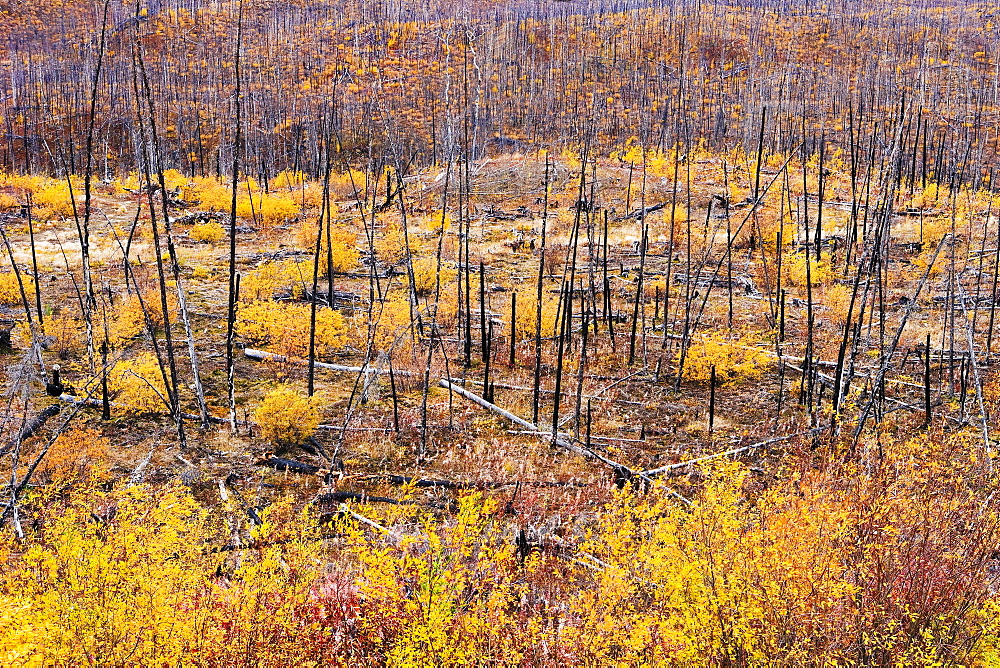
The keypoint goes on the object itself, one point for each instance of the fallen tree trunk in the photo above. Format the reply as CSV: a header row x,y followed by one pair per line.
x,y
670,468
290,465
31,427
361,497
96,403
623,473
458,484
264,356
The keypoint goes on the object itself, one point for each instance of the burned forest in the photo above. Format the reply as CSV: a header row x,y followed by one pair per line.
x,y
509,333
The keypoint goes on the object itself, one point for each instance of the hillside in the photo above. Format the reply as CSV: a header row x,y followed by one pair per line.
x,y
515,334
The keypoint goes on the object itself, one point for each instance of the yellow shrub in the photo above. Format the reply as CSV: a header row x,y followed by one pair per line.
x,y
769,225
288,179
349,184
211,194
138,385
10,291
793,269
277,279
131,321
7,202
527,313
67,332
286,417
129,577
286,327
925,198
390,246
173,179
343,245
53,199
267,209
734,358
426,273
393,323
837,300
210,232
935,228
436,220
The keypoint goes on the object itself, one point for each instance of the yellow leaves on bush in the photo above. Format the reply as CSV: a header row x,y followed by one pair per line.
x,y
436,221
527,313
131,319
10,291
286,327
288,179
390,246
121,588
267,209
344,250
7,202
286,417
426,274
209,232
927,197
391,330
67,333
348,185
769,226
734,358
837,299
794,270
52,198
251,204
460,579
211,194
698,569
277,279
137,385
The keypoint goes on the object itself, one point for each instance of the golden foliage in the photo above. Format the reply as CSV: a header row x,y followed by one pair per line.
x,y
527,313
837,300
286,417
75,456
391,330
390,246
286,327
344,248
734,358
426,274
130,320
794,270
209,232
742,574
277,279
267,209
67,332
10,291
137,385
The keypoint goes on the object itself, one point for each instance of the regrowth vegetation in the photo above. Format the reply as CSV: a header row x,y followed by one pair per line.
x,y
637,334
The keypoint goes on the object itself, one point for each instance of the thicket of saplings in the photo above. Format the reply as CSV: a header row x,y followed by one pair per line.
x,y
648,392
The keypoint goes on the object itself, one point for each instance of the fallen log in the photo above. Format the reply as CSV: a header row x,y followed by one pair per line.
x,y
264,356
96,403
623,473
289,465
458,484
31,427
669,468
361,497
